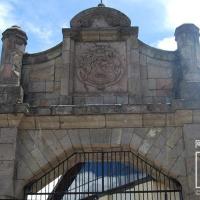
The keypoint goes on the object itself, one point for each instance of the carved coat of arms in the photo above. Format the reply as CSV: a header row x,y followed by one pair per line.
x,y
99,66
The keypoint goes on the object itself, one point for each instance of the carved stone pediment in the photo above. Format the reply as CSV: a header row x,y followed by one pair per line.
x,y
100,17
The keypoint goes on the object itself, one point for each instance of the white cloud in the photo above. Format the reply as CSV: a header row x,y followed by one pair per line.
x,y
181,11
167,44
6,17
42,33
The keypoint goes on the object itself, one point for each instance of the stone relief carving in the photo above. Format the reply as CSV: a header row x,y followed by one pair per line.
x,y
100,66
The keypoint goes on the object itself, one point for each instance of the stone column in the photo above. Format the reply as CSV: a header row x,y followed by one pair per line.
x,y
187,38
67,80
14,43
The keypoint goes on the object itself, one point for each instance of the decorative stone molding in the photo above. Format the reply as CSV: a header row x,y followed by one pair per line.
x,y
100,17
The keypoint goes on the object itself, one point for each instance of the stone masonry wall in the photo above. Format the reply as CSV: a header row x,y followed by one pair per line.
x,y
150,79
100,89
41,77
163,139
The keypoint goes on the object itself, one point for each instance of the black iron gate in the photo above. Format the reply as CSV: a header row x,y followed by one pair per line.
x,y
105,176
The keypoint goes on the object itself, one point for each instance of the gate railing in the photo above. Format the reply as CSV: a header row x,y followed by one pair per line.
x,y
104,175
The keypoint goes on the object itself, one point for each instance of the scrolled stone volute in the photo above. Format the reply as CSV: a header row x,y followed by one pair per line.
x,y
100,17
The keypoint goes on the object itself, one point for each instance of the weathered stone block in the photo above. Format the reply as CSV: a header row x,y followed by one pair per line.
x,y
159,72
163,158
189,90
150,120
79,100
116,137
94,100
23,172
8,135
100,137
134,85
108,35
179,167
196,116
51,148
61,110
143,60
49,86
143,132
66,43
151,84
124,120
37,86
136,142
39,158
122,99
153,152
66,57
133,99
163,93
144,72
27,123
92,121
170,119
89,36
11,94
7,152
183,117
191,132
174,138
63,138
164,84
6,187
84,135
42,72
74,138
159,141
51,122
144,147
126,136
110,99
14,120
3,120
7,168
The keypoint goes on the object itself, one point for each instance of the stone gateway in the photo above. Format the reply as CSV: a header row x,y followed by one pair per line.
x,y
101,115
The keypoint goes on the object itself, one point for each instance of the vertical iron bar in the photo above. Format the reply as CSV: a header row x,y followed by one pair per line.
x,y
146,181
97,171
102,161
134,160
88,171
138,176
166,196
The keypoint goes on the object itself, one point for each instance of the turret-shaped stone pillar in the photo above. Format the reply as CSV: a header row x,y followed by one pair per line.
x,y
187,37
14,43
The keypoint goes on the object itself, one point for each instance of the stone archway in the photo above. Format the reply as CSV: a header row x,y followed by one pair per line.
x,y
40,150
104,174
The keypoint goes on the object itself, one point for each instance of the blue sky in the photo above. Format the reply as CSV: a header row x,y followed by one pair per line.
x,y
43,20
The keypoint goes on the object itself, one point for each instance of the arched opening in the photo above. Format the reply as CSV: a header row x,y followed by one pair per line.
x,y
105,176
